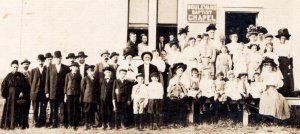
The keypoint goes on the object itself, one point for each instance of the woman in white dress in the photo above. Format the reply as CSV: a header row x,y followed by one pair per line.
x,y
177,93
240,60
254,59
272,103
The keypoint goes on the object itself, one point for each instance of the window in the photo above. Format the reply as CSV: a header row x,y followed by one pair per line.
x,y
138,17
167,11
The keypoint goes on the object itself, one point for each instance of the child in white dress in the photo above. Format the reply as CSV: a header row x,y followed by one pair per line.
x,y
223,62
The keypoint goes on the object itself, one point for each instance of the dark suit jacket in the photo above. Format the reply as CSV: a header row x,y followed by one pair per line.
x,y
72,84
37,82
152,68
89,90
55,82
106,89
99,70
124,90
133,46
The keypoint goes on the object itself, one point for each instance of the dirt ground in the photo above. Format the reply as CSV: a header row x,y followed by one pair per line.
x,y
221,127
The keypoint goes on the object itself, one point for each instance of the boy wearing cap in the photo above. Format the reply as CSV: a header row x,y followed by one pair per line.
x,y
55,82
155,99
90,95
106,106
72,93
121,98
37,92
140,101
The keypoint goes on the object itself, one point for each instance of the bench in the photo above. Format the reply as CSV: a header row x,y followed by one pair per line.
x,y
292,101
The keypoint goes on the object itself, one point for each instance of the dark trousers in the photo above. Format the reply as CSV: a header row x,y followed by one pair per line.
x,y
121,113
39,109
72,108
106,110
89,110
177,111
57,111
288,85
23,117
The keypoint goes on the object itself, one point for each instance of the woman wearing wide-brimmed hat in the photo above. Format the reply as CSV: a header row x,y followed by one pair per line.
x,y
284,51
12,90
272,103
251,35
176,93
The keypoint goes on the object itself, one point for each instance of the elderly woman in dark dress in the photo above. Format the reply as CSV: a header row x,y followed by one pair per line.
x,y
12,90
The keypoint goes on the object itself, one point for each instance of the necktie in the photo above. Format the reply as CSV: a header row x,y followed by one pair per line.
x,y
138,89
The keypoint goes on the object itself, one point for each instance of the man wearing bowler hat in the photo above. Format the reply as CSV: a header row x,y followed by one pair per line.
x,y
284,51
114,57
48,59
102,64
37,92
55,81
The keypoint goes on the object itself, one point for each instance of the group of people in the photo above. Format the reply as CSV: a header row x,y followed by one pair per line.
x,y
153,88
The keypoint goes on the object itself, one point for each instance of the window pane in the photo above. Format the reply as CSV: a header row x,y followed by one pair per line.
x,y
167,11
138,11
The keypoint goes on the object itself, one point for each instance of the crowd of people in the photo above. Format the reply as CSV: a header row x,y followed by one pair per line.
x,y
154,88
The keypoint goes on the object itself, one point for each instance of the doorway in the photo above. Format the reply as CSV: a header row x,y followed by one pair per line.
x,y
239,21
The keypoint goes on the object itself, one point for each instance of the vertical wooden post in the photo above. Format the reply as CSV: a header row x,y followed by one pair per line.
x,y
245,118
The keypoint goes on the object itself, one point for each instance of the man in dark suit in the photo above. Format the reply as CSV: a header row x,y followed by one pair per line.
x,y
83,72
37,92
121,96
132,44
114,57
106,106
25,108
55,81
147,68
102,64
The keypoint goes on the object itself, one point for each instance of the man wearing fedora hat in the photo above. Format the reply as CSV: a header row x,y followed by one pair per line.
x,y
81,56
102,64
147,68
37,92
55,81
284,51
71,58
25,66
